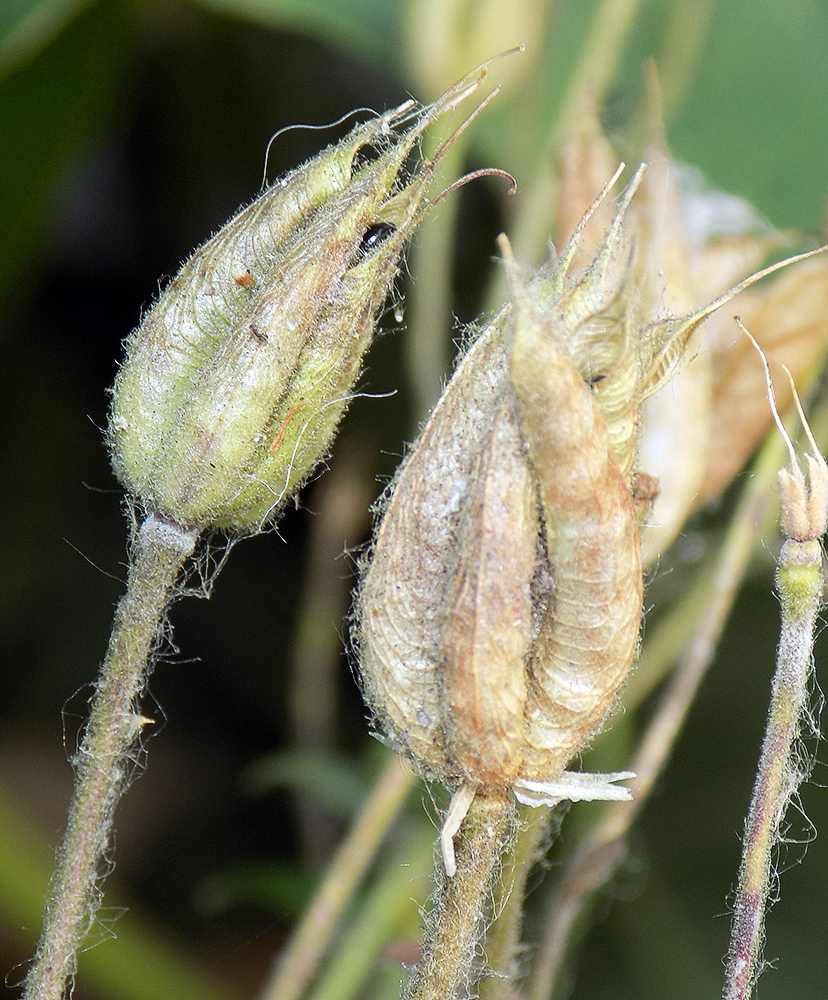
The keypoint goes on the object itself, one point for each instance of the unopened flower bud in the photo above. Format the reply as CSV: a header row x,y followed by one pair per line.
x,y
234,383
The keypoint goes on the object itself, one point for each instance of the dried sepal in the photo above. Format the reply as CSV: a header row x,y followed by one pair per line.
x,y
692,245
587,159
789,320
664,278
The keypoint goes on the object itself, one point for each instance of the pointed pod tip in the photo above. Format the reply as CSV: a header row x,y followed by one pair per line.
x,y
804,505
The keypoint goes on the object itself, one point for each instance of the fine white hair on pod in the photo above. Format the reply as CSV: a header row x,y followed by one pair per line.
x,y
312,128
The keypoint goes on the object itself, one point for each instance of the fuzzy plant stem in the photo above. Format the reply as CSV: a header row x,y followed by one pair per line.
x,y
781,767
106,758
456,925
503,948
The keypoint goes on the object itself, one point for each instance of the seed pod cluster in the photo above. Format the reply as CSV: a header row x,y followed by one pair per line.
x,y
500,611
501,608
234,383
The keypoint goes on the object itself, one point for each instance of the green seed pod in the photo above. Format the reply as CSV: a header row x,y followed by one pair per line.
x,y
234,383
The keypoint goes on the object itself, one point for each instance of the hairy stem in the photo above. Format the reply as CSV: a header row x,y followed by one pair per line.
x,y
450,962
503,942
781,767
105,759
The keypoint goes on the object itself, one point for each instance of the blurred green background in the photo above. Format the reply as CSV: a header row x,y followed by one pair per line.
x,y
129,131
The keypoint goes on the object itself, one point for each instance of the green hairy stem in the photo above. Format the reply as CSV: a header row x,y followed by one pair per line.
x,y
106,758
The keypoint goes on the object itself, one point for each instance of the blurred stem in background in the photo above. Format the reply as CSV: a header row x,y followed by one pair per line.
x,y
428,310
298,963
597,63
340,500
442,36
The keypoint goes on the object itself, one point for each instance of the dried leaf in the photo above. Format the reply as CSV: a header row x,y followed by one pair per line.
x,y
789,320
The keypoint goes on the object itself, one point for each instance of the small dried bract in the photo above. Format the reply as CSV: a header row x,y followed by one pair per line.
x,y
804,502
234,383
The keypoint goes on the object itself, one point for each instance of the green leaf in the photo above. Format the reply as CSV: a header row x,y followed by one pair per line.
x,y
27,25
280,887
331,779
756,120
48,107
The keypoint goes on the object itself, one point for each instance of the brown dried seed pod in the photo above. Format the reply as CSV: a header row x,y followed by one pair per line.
x,y
403,599
445,609
589,635
488,622
463,577
593,319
